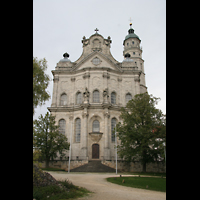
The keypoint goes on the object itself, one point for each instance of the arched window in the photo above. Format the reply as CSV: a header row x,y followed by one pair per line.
x,y
62,124
113,98
78,98
96,96
128,97
78,130
63,100
95,126
113,122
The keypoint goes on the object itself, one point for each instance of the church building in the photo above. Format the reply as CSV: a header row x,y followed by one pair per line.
x,y
89,93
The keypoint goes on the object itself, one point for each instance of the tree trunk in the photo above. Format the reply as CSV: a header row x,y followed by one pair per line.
x,y
144,155
144,167
47,163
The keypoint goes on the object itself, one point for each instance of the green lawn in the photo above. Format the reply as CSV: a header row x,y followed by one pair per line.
x,y
153,183
52,169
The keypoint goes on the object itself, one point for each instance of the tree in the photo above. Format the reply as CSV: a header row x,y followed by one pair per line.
x,y
40,82
47,138
142,132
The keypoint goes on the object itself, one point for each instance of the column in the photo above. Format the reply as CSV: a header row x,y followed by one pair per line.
x,y
71,128
55,91
106,132
84,136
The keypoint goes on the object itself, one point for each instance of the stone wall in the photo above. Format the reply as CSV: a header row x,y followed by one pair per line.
x,y
136,166
121,165
63,164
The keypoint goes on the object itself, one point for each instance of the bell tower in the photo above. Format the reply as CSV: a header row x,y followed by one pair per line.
x,y
132,46
133,54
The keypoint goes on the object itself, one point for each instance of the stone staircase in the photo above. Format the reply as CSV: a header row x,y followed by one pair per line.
x,y
93,166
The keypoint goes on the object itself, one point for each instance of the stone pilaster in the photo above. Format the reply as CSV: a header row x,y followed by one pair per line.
x,y
106,145
84,137
55,91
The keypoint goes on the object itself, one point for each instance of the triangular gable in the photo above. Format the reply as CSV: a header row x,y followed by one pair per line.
x,y
96,59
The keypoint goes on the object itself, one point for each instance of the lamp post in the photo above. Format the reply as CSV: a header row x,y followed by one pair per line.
x,y
116,147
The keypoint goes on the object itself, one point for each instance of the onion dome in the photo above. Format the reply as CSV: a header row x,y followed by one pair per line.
x,y
66,58
131,34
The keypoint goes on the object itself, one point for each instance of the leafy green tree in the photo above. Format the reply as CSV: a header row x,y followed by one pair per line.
x,y
143,130
47,138
40,82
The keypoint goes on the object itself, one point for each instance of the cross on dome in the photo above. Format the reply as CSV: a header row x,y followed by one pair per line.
x,y
96,30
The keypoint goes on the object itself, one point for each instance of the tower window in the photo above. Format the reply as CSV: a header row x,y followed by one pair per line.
x,y
133,53
127,43
132,42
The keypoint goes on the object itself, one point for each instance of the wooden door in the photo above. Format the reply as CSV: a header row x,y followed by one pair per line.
x,y
95,151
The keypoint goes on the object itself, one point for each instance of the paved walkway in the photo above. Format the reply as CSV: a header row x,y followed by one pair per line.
x,y
104,190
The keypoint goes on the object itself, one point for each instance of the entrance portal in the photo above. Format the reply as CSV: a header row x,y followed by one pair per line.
x,y
95,151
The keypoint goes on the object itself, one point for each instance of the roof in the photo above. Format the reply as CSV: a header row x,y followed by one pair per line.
x,y
132,35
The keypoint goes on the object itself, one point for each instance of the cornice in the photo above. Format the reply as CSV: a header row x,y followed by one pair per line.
x,y
130,48
124,70
82,106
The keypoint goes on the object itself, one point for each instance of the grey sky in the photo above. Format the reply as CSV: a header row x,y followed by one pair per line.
x,y
59,26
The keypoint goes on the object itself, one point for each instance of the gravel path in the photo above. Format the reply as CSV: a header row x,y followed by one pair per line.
x,y
104,190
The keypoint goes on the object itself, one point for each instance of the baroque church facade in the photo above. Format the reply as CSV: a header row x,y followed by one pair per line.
x,y
89,93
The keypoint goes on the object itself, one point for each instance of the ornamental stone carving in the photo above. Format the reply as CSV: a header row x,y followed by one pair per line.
x,y
95,136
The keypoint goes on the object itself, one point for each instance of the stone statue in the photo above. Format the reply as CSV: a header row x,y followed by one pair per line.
x,y
105,92
108,41
86,95
85,41
105,95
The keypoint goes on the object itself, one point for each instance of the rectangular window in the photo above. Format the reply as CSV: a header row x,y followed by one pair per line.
x,y
79,98
113,98
78,130
96,96
113,122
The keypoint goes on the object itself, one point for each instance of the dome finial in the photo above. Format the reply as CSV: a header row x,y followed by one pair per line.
x,y
131,30
130,22
96,30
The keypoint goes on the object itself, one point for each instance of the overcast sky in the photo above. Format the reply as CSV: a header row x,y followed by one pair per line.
x,y
59,26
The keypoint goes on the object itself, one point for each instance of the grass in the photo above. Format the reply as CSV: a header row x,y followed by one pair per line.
x,y
145,173
52,169
150,183
54,192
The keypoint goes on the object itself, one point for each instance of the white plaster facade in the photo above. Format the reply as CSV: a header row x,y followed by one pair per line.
x,y
96,70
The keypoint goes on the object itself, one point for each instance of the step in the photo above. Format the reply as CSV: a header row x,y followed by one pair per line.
x,y
93,166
